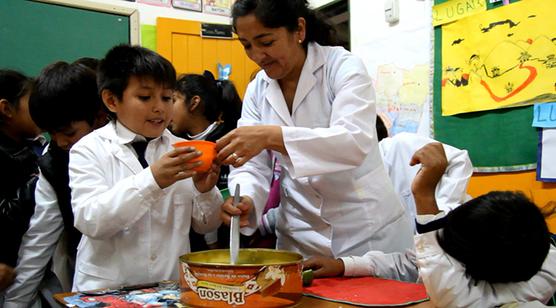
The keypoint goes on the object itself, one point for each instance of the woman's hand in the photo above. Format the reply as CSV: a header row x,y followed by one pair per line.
x,y
175,165
243,209
241,144
324,266
205,181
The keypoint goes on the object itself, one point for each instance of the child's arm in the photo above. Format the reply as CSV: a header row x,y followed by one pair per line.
x,y
37,246
206,204
106,198
433,164
397,266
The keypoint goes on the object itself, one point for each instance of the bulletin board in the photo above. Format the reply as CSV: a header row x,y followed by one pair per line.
x,y
497,140
34,34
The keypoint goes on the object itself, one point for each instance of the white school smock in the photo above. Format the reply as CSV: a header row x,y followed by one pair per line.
x,y
37,248
451,190
133,231
448,286
336,199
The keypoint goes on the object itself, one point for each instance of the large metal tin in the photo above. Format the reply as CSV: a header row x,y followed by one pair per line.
x,y
262,278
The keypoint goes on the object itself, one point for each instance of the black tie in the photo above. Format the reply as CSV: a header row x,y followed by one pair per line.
x,y
140,147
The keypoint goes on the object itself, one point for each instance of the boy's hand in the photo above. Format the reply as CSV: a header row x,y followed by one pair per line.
x,y
7,276
243,209
433,164
324,266
175,165
205,181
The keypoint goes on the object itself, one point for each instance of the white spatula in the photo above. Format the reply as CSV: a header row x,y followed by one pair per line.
x,y
234,230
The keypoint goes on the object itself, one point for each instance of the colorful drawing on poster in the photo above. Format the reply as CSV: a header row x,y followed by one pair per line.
x,y
400,96
192,5
501,58
218,7
401,76
165,3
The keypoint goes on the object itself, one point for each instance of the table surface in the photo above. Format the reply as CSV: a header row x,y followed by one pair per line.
x,y
306,301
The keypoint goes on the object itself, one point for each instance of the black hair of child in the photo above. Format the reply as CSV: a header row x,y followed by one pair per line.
x,y
124,61
285,13
13,86
381,130
499,237
89,62
64,93
219,98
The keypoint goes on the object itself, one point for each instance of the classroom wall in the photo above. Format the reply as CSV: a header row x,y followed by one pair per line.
x,y
368,16
149,13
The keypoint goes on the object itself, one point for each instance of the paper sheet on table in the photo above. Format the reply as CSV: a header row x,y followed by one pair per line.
x,y
367,291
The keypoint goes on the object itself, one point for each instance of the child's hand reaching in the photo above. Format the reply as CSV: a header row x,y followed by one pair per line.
x,y
433,164
175,165
324,266
205,181
7,275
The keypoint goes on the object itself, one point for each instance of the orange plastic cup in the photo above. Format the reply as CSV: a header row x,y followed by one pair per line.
x,y
207,148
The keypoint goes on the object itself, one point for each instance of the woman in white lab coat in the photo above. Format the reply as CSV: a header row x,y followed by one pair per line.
x,y
313,106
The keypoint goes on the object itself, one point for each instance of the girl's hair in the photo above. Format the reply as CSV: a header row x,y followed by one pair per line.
x,y
498,237
285,13
13,86
219,98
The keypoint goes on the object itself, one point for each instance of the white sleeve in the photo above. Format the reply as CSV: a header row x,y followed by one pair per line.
x,y
452,188
255,175
206,210
37,246
449,286
397,266
100,211
351,125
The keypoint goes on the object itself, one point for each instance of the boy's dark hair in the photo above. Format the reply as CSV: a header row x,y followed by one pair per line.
x,y
123,61
499,237
284,13
13,86
89,62
64,93
219,98
381,130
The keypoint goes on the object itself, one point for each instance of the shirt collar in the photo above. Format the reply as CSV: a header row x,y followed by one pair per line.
x,y
125,135
204,134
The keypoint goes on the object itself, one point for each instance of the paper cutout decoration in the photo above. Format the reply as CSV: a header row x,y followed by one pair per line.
x,y
546,164
453,10
224,71
545,115
501,58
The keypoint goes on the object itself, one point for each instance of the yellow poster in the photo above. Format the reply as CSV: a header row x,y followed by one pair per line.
x,y
456,9
501,58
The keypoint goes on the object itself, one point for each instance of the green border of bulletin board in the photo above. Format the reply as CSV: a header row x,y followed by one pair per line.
x,y
497,140
36,33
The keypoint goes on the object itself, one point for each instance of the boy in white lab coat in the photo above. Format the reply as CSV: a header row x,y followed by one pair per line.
x,y
65,103
134,197
492,250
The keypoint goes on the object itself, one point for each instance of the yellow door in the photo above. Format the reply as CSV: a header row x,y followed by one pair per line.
x,y
180,42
